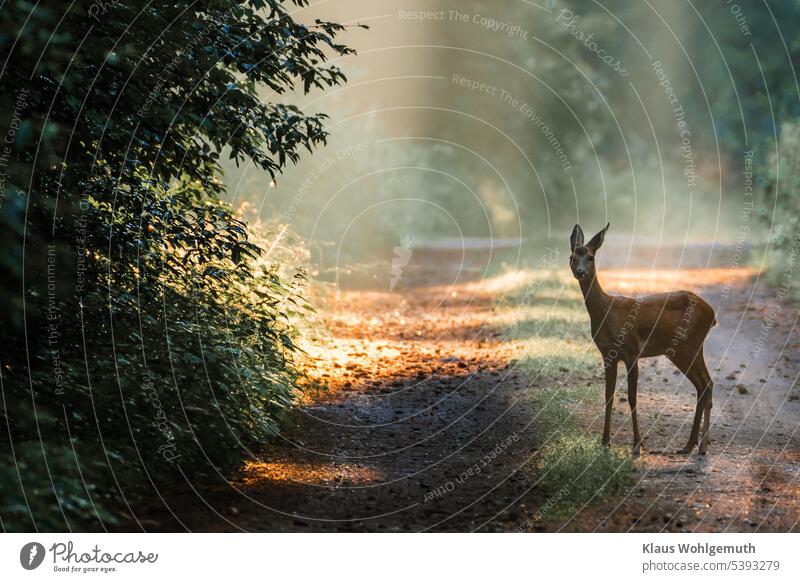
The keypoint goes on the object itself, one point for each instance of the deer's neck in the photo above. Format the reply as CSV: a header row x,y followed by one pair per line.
x,y
597,301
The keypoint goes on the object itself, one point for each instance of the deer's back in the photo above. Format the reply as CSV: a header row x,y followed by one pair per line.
x,y
657,324
690,309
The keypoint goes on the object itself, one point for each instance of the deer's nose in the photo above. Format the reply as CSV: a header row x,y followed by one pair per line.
x,y
580,272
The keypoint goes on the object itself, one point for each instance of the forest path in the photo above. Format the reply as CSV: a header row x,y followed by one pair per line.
x,y
427,424
423,426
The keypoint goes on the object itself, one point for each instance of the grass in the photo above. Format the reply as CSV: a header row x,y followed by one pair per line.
x,y
548,322
577,469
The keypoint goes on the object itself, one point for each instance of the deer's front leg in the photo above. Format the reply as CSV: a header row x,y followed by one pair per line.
x,y
633,385
611,383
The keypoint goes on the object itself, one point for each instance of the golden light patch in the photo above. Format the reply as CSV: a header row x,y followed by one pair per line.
x,y
259,472
663,280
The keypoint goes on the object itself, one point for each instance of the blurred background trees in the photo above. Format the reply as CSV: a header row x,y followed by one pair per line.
x,y
504,119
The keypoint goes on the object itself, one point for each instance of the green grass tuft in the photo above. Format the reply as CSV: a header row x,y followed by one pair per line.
x,y
578,469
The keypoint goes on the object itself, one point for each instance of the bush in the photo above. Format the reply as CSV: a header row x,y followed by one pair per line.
x,y
148,340
193,367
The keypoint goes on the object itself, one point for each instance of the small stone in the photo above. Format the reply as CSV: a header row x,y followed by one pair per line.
x,y
741,388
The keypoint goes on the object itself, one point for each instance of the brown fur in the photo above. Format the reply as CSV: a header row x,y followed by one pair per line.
x,y
626,329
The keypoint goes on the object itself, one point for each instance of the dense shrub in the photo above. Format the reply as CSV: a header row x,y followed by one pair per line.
x,y
146,337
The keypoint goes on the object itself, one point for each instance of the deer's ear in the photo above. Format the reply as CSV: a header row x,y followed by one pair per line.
x,y
597,240
576,238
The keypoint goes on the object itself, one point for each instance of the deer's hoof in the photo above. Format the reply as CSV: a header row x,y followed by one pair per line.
x,y
636,452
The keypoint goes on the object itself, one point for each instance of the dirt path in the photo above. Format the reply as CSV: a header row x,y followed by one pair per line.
x,y
427,426
422,428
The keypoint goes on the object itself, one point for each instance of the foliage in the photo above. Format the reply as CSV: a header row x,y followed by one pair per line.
x,y
148,339
781,208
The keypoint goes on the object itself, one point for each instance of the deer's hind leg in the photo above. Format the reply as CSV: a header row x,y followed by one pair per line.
x,y
694,367
708,391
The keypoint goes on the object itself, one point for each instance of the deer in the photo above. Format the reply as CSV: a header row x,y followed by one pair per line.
x,y
626,329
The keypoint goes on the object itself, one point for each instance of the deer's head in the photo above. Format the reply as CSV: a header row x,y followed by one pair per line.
x,y
581,259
